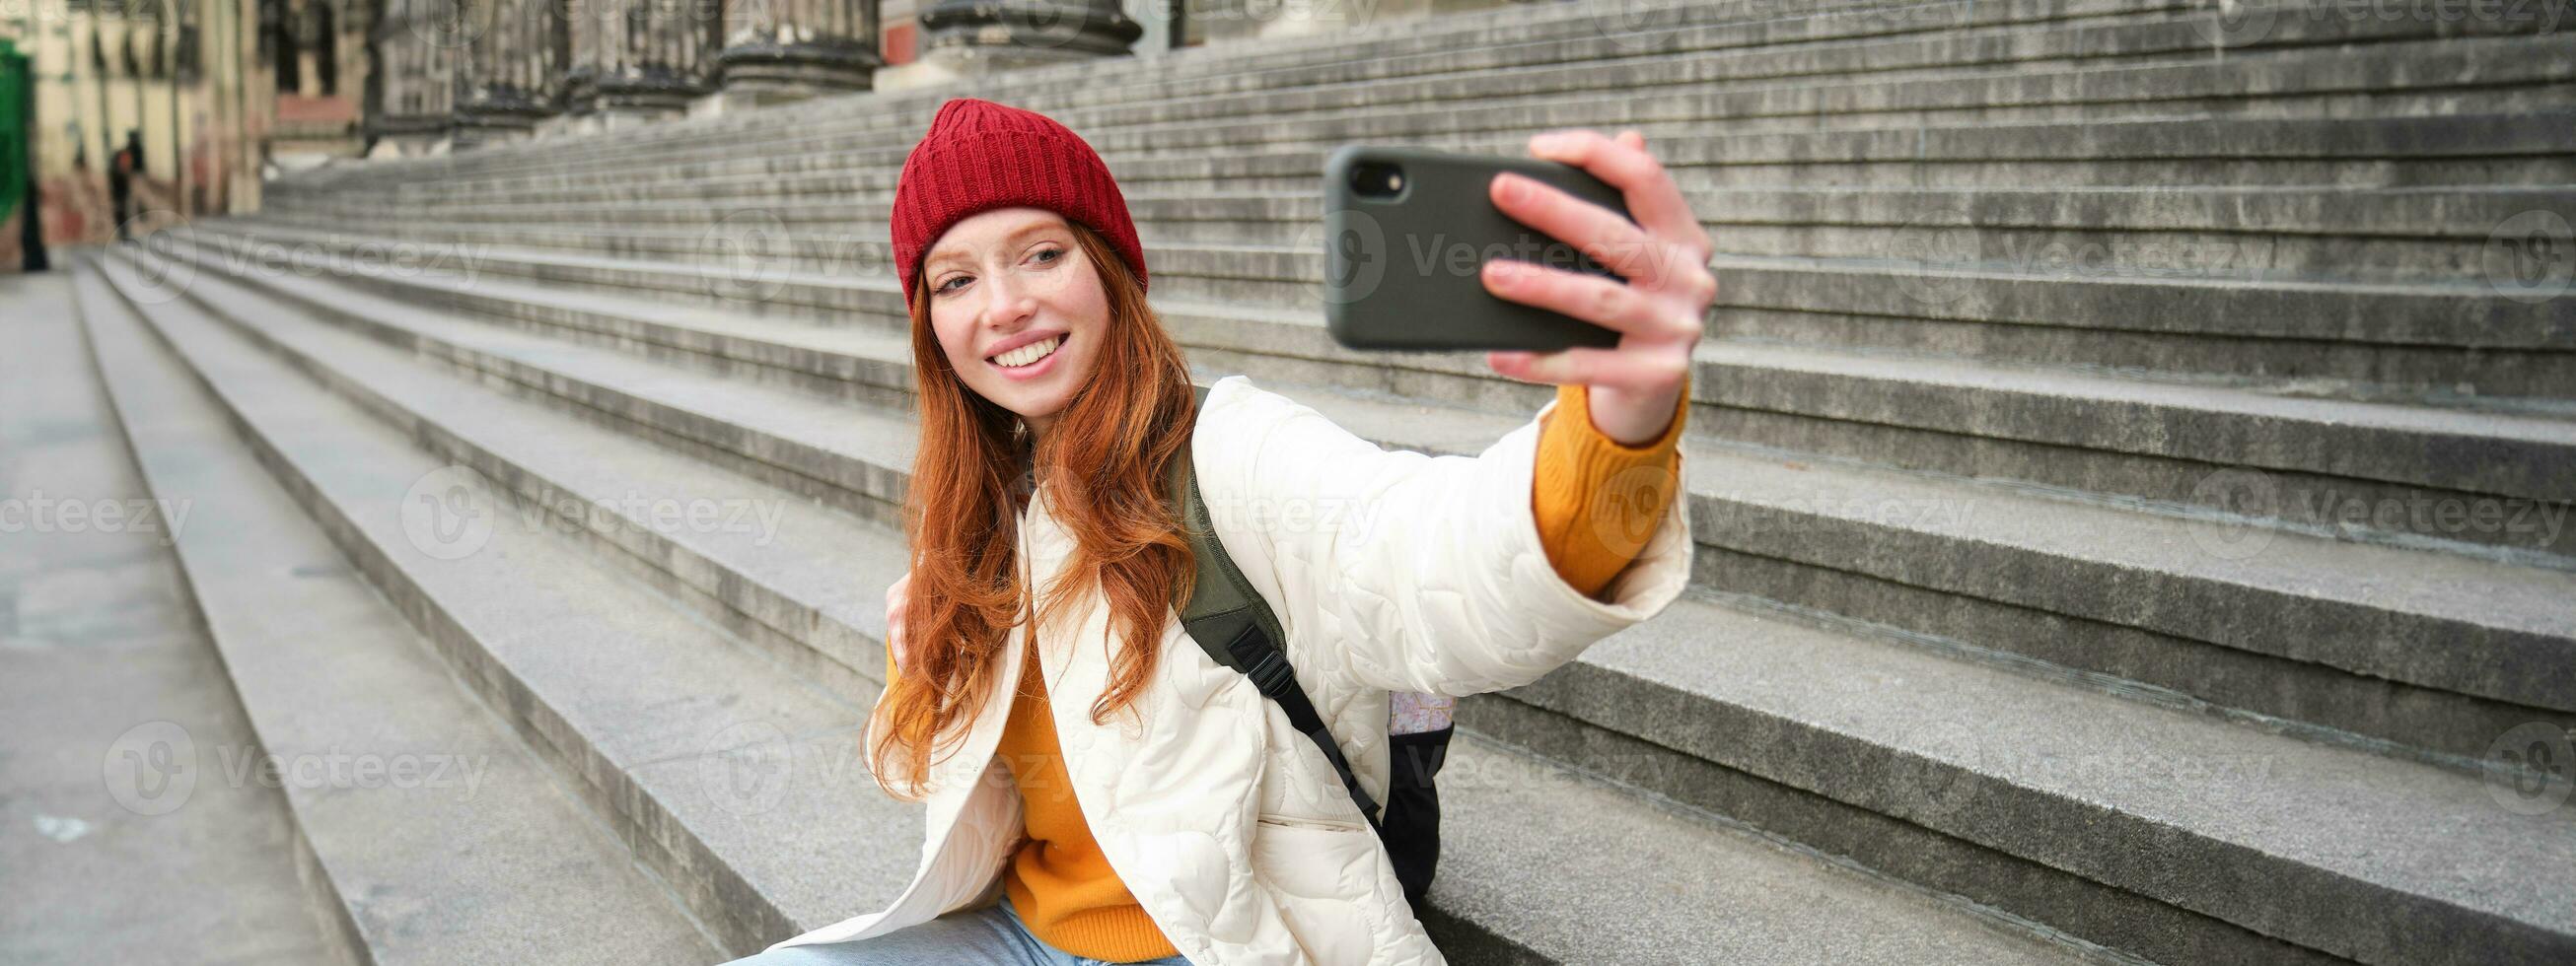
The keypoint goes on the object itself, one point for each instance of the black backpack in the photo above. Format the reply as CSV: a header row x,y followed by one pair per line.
x,y
1238,630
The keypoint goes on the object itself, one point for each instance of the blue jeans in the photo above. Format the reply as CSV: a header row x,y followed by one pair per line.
x,y
990,936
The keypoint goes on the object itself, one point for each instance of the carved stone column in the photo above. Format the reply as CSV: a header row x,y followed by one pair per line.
x,y
513,70
418,43
640,59
982,36
777,50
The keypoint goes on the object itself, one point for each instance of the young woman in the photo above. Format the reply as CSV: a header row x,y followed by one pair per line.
x,y
1099,790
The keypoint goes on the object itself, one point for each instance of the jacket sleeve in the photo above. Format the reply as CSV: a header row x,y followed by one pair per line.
x,y
1403,571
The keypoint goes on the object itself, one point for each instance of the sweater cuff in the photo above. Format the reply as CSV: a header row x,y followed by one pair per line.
x,y
1596,500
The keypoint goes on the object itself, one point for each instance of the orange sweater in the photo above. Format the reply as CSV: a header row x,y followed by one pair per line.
x,y
1059,881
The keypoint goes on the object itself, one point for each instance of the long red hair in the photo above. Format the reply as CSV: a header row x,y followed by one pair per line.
x,y
1103,464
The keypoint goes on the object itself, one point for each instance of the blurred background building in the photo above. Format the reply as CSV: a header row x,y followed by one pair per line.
x,y
222,94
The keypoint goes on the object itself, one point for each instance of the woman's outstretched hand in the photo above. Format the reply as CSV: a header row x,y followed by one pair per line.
x,y
1636,386
896,597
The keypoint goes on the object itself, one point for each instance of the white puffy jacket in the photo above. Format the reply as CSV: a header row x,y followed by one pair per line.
x,y
1390,571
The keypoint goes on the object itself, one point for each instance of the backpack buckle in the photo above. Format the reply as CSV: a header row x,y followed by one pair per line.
x,y
1268,669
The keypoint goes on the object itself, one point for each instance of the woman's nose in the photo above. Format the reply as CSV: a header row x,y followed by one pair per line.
x,y
1005,299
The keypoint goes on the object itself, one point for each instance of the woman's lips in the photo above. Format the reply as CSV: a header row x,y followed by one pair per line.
x,y
1038,368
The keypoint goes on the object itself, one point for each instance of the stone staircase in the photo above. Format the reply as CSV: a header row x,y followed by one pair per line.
x,y
2131,468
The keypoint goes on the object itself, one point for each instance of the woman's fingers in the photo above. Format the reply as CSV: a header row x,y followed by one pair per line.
x,y
1597,232
1652,197
1618,368
1600,301
897,597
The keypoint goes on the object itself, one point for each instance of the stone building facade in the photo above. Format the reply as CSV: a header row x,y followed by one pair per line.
x,y
459,73
221,95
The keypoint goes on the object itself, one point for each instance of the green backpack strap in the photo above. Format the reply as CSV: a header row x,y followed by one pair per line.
x,y
1237,628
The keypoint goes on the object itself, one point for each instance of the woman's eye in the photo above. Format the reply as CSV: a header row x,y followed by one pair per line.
x,y
944,287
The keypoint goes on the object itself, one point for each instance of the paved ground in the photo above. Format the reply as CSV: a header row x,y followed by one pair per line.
x,y
125,836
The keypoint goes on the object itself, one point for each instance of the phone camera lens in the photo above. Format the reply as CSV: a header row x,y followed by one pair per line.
x,y
1378,180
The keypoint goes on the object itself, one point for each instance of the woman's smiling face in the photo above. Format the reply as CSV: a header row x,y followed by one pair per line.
x,y
1005,285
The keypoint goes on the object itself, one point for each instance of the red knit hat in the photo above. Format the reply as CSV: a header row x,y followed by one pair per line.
x,y
980,155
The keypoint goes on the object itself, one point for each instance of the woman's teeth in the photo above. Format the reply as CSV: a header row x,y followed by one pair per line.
x,y
1026,354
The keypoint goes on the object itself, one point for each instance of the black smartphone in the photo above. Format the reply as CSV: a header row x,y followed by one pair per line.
x,y
1407,232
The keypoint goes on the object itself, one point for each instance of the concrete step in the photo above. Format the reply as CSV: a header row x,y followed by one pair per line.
x,y
2469,342
2248,234
2367,152
870,365
789,585
2084,430
2035,35
2456,340
116,721
411,799
2493,75
2225,648
2052,847
659,717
